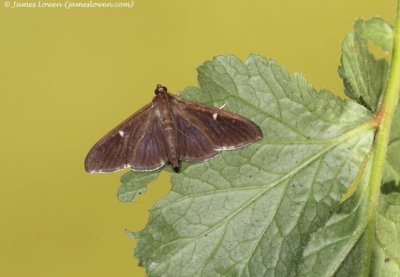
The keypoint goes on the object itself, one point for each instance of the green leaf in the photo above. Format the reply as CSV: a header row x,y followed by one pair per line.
x,y
357,261
134,184
252,211
392,167
342,246
379,31
363,77
387,243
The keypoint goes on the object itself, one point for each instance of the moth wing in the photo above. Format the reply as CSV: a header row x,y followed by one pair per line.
x,y
193,145
125,146
151,152
211,128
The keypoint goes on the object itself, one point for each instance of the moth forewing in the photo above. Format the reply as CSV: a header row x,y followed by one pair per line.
x,y
224,130
113,152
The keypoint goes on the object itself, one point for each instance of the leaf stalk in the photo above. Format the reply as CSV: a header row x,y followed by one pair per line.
x,y
384,117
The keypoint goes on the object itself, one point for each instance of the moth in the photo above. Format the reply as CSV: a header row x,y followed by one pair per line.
x,y
168,130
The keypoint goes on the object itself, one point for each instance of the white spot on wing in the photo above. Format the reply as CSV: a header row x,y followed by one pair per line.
x,y
215,115
121,133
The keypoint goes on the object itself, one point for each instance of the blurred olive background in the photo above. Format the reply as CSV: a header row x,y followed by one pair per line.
x,y
69,76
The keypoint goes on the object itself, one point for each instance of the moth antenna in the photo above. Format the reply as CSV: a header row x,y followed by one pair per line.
x,y
223,106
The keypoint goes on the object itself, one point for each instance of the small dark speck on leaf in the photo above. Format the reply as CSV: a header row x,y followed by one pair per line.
x,y
293,185
387,260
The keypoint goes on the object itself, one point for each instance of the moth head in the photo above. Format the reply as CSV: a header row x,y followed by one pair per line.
x,y
160,89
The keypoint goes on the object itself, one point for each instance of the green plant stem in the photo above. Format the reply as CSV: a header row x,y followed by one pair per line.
x,y
384,117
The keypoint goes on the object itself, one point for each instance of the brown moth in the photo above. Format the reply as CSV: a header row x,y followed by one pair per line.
x,y
170,129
